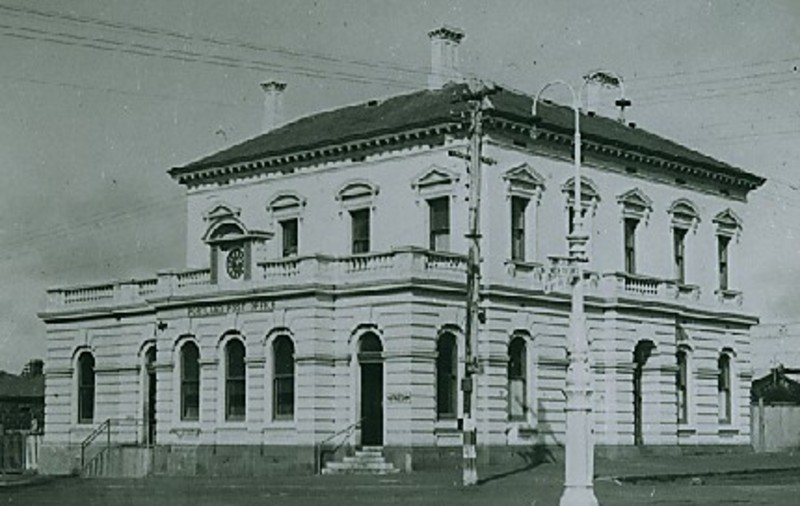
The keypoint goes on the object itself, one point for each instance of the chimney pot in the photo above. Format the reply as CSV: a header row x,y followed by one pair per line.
x,y
273,104
445,41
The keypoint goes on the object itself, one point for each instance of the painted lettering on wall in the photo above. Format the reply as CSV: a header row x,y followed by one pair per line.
x,y
257,306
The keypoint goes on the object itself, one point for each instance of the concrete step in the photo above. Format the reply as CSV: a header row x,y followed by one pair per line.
x,y
368,460
119,462
360,465
391,470
364,458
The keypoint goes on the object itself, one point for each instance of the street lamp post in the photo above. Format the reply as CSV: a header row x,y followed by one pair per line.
x,y
579,458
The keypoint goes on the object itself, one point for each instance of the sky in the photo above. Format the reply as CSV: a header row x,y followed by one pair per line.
x,y
99,99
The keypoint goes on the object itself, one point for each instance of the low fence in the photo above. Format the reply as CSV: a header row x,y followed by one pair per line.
x,y
775,427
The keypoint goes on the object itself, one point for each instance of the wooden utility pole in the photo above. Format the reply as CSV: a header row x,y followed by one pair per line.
x,y
476,99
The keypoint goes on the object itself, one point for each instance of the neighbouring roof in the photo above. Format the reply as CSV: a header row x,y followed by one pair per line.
x,y
14,387
428,108
776,387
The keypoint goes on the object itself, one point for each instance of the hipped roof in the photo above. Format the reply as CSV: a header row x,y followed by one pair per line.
x,y
426,108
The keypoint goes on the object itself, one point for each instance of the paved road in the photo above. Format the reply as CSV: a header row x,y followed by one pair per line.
x,y
532,487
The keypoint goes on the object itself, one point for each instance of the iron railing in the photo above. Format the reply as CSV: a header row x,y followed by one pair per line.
x,y
116,431
319,448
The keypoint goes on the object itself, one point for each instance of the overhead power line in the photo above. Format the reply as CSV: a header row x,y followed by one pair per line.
x,y
181,55
238,44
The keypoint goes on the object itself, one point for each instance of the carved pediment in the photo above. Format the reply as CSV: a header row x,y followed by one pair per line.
x,y
222,211
589,190
434,177
357,190
285,201
684,213
636,199
524,177
728,220
684,209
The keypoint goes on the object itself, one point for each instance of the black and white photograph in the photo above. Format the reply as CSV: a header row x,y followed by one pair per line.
x,y
423,252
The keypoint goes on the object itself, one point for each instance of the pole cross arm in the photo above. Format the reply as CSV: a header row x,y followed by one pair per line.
x,y
464,156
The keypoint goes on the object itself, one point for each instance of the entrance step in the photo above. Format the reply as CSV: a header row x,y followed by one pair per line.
x,y
368,460
119,462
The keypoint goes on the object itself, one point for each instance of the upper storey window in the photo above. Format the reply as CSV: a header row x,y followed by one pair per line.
x,y
518,207
679,254
636,207
524,187
359,231
728,227
684,218
358,199
435,185
590,198
629,240
439,223
287,209
289,237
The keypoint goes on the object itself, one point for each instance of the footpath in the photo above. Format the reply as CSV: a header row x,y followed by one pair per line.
x,y
665,468
632,470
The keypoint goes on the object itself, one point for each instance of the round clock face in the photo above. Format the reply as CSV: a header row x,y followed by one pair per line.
x,y
234,263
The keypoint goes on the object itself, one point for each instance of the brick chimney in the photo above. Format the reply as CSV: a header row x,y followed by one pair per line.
x,y
273,104
444,56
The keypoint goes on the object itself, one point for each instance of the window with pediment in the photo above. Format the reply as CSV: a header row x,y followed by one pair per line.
x,y
524,187
358,199
286,210
728,226
436,186
590,198
684,218
636,208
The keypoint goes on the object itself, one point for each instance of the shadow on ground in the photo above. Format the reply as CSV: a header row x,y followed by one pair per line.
x,y
532,457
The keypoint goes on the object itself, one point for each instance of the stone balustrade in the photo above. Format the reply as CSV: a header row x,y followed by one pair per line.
x,y
403,264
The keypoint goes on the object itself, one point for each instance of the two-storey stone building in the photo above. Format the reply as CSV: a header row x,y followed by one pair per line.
x,y
323,300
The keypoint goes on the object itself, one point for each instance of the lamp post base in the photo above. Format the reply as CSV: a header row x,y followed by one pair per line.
x,y
578,496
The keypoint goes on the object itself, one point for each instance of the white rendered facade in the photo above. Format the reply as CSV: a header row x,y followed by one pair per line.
x,y
325,299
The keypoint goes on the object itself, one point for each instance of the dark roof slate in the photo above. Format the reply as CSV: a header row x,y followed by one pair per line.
x,y
376,117
432,107
13,386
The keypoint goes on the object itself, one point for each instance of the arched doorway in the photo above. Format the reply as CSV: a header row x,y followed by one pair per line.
x,y
150,396
370,360
640,355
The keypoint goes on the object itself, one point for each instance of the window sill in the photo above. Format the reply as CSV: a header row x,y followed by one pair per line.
x,y
729,296
280,424
446,425
728,431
